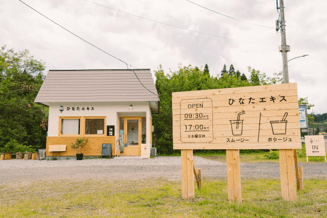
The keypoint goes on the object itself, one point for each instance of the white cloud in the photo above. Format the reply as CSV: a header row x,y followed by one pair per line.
x,y
147,44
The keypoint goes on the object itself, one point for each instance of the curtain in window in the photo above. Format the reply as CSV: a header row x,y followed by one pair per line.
x,y
70,127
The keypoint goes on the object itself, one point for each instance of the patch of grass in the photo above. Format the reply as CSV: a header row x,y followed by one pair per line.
x,y
159,198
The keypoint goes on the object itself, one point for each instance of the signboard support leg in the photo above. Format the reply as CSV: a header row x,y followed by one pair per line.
x,y
300,181
287,174
233,175
187,174
296,170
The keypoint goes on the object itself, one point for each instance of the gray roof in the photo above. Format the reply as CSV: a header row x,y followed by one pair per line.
x,y
108,85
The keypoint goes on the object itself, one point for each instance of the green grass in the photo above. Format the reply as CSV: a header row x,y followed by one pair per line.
x,y
159,198
251,156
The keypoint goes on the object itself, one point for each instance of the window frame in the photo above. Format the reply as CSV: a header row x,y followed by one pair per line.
x,y
82,126
96,117
70,118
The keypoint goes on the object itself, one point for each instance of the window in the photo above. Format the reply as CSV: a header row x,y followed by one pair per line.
x,y
94,126
70,126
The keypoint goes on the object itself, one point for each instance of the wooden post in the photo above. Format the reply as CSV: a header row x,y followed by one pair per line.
x,y
287,174
37,156
296,170
2,157
197,175
199,179
25,156
233,175
187,174
33,156
300,181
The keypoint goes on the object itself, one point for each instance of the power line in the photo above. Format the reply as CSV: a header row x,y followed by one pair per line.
x,y
229,16
178,27
89,44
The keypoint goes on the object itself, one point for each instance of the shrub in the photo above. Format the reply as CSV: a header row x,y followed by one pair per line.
x,y
302,152
272,155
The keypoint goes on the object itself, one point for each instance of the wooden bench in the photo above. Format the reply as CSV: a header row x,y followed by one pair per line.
x,y
57,148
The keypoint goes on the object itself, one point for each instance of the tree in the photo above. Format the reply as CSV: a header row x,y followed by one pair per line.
x,y
206,70
231,70
20,118
185,79
238,73
223,71
243,77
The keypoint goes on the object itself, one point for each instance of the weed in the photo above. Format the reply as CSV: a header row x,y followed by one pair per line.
x,y
159,198
272,155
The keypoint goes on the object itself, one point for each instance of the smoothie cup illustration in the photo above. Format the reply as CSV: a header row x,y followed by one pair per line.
x,y
278,127
237,125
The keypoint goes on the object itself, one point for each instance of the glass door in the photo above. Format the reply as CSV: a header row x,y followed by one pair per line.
x,y
132,132
132,135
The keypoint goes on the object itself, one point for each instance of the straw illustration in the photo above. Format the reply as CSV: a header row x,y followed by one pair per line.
x,y
239,119
284,117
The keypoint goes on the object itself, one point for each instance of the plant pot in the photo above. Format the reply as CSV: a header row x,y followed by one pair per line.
x,y
7,156
19,155
79,156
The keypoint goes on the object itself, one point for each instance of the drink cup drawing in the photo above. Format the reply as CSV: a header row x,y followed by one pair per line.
x,y
237,125
278,127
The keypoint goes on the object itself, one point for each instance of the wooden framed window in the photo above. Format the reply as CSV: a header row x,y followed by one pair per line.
x,y
94,126
70,126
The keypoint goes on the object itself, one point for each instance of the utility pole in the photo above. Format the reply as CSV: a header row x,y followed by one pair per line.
x,y
284,48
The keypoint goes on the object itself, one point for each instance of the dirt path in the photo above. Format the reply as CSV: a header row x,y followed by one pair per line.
x,y
26,172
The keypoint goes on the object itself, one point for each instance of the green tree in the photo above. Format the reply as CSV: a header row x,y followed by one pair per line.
x,y
231,71
223,71
185,79
206,69
243,77
20,118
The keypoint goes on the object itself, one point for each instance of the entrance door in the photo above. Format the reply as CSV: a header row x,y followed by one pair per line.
x,y
132,135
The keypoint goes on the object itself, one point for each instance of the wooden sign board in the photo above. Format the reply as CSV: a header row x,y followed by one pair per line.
x,y
315,145
256,117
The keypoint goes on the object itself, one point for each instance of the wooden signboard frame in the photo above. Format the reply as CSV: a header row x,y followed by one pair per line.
x,y
315,146
257,117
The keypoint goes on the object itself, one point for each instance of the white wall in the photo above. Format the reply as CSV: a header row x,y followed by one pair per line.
x,y
108,109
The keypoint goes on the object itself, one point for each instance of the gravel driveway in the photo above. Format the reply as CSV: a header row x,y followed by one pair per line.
x,y
25,172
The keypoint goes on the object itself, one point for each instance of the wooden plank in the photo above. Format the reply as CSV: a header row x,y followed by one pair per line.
x,y
233,175
296,170
216,146
199,179
291,175
300,181
237,175
184,174
190,176
283,173
230,175
228,91
202,119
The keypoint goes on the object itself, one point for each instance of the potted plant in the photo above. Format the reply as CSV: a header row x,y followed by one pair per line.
x,y
78,146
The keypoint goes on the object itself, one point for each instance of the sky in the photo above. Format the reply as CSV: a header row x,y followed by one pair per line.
x,y
174,41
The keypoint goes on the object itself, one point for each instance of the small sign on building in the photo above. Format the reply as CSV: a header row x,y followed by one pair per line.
x,y
315,146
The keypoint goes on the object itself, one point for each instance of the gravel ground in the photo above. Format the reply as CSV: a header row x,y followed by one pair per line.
x,y
25,172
